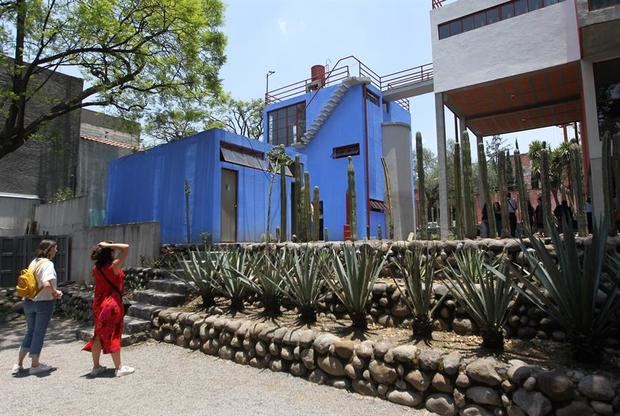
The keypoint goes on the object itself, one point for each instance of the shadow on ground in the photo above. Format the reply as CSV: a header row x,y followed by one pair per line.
x,y
60,331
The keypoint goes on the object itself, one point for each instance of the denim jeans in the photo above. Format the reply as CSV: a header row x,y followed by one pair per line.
x,y
38,315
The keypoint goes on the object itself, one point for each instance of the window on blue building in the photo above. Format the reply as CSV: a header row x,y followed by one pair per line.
x,y
287,125
372,97
346,151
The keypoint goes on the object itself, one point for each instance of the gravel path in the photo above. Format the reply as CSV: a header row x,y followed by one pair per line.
x,y
169,380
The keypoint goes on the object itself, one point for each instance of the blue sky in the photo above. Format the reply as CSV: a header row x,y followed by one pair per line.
x,y
290,36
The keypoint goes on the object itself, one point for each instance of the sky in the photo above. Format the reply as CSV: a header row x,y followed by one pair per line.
x,y
290,36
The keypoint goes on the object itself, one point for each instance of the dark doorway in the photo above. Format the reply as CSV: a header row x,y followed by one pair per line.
x,y
229,206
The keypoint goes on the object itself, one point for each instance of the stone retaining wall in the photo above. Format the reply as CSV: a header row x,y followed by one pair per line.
x,y
444,382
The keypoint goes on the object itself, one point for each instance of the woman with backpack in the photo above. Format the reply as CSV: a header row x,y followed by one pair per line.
x,y
38,309
108,309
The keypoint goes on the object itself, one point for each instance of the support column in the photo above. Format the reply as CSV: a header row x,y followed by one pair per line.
x,y
444,209
591,135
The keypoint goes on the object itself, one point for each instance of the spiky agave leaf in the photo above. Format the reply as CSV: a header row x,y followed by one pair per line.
x,y
567,290
353,277
485,296
235,263
303,282
417,270
200,270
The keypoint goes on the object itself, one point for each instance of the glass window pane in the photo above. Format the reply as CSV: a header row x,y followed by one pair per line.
x,y
508,11
468,23
520,7
455,28
480,19
534,4
492,15
444,31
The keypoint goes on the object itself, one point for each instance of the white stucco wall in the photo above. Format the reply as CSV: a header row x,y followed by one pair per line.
x,y
535,40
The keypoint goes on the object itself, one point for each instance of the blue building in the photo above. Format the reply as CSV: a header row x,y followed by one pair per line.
x,y
323,120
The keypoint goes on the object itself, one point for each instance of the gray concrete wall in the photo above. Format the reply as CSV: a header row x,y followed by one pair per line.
x,y
45,166
15,214
398,156
92,176
109,127
70,218
532,41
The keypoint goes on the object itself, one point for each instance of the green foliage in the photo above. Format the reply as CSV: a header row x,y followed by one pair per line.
x,y
277,160
353,278
240,117
303,282
135,55
238,266
352,199
567,289
422,211
486,297
201,269
416,269
63,194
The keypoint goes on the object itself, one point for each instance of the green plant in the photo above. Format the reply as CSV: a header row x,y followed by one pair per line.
x,y
206,238
422,212
351,195
303,282
417,270
267,279
236,263
201,270
469,209
484,180
353,278
485,296
458,193
567,289
63,194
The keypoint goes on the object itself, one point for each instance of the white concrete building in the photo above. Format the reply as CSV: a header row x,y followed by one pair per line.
x,y
506,66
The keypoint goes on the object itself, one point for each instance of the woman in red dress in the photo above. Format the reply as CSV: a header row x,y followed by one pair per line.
x,y
108,310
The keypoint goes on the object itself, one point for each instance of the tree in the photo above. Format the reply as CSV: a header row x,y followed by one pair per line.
x,y
241,117
174,123
535,154
130,53
276,159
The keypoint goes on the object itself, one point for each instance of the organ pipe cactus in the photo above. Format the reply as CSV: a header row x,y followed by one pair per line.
x,y
296,196
546,189
468,189
352,199
577,175
283,204
316,215
307,209
458,192
503,191
422,214
523,195
388,200
484,178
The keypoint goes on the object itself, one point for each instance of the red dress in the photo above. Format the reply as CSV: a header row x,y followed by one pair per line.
x,y
108,309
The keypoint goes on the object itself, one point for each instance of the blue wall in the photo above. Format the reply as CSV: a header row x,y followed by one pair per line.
x,y
149,186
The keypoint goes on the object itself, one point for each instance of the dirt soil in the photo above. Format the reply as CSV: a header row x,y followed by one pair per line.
x,y
545,353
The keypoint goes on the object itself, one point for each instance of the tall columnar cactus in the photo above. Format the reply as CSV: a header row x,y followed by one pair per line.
x,y
422,213
352,199
523,194
316,215
458,192
468,189
503,191
577,175
484,178
388,200
283,203
546,189
616,168
308,208
296,197
325,235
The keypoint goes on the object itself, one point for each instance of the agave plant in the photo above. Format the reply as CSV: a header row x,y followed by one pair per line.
x,y
353,277
303,282
567,289
236,263
417,270
485,296
267,279
201,270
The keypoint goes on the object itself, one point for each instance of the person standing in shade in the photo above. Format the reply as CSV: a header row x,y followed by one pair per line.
x,y
39,309
497,212
538,216
108,309
512,214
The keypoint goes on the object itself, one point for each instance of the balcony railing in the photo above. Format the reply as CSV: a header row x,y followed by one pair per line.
x,y
352,66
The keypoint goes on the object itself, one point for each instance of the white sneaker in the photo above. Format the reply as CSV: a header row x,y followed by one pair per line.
x,y
124,371
97,371
41,368
16,369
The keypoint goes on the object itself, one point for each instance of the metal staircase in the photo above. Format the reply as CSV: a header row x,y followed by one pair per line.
x,y
331,105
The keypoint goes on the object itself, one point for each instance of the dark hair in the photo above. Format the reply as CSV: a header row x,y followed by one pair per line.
x,y
102,256
44,249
